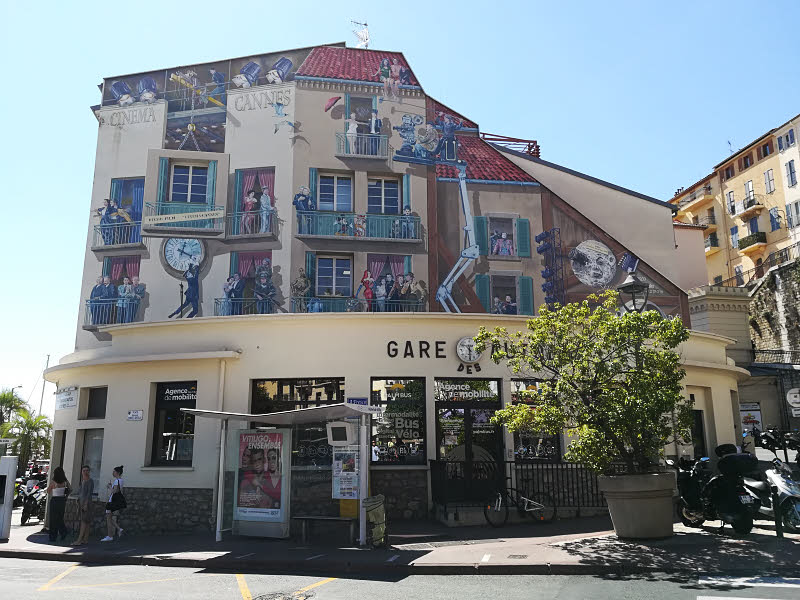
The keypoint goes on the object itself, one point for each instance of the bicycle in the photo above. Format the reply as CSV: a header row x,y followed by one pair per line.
x,y
539,505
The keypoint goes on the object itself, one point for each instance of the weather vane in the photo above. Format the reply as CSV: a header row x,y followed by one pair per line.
x,y
361,34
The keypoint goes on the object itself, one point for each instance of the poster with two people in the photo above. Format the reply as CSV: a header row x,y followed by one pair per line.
x,y
260,477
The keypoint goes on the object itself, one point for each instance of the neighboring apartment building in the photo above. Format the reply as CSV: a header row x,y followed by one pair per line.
x,y
289,230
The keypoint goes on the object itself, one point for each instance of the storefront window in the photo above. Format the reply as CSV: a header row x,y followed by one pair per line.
x,y
529,445
398,434
464,408
173,430
93,454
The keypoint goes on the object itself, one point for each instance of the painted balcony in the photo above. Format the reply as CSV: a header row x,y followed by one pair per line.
x,y
110,311
350,226
750,207
337,304
226,307
755,242
250,225
183,219
362,146
712,244
695,200
118,235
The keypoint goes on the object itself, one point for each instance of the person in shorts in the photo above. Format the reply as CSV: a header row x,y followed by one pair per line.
x,y
116,502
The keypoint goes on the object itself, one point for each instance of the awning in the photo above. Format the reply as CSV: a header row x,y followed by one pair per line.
x,y
314,414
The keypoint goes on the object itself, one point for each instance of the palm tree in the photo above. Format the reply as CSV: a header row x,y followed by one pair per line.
x,y
9,404
31,433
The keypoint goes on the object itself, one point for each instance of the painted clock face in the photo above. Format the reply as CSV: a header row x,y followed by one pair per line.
x,y
465,348
180,252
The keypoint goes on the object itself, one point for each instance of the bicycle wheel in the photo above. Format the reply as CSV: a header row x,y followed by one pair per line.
x,y
540,506
495,509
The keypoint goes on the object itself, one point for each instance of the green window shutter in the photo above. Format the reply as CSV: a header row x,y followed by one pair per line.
x,y
481,225
312,186
311,272
116,190
483,288
211,183
407,264
526,295
406,191
523,238
107,266
163,179
234,263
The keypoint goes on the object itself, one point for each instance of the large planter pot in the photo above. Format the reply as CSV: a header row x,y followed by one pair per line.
x,y
640,505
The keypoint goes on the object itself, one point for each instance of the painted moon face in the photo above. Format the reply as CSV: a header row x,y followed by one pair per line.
x,y
593,263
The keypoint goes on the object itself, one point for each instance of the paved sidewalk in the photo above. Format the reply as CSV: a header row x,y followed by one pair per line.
x,y
574,546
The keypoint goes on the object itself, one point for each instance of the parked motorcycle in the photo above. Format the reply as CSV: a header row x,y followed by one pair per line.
x,y
792,441
768,439
708,497
34,501
780,476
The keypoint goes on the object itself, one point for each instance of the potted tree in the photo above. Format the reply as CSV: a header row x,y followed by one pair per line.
x,y
614,383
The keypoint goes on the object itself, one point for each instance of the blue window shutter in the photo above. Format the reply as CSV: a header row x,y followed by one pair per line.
x,y
483,289
234,263
211,183
774,222
407,264
791,136
526,295
406,192
116,190
238,181
107,266
780,142
789,216
163,179
311,271
523,238
481,225
753,225
312,186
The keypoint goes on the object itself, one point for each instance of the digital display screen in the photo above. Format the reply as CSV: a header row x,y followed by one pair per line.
x,y
339,434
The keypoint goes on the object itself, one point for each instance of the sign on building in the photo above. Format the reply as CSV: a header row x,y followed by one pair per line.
x,y
66,398
135,415
751,415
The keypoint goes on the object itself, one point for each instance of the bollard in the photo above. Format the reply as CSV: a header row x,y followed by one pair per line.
x,y
776,512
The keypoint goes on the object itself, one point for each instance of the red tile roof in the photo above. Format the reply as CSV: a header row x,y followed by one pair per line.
x,y
483,162
348,63
439,107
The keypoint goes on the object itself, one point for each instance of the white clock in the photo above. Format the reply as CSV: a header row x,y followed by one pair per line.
x,y
179,253
465,348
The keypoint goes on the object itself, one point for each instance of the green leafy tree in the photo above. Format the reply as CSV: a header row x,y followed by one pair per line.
x,y
613,382
9,404
31,433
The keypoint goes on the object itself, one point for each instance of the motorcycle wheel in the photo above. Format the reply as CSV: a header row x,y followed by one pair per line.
x,y
687,520
743,525
790,514
24,518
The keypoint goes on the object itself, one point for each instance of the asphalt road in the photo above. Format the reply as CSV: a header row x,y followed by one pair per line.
x,y
66,581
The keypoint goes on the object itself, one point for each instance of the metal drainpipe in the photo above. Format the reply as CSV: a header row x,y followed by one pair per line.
x,y
219,485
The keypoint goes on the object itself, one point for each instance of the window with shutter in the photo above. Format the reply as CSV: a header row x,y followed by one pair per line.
x,y
523,238
790,137
735,236
481,225
526,295
780,143
483,290
774,219
504,295
501,236
753,225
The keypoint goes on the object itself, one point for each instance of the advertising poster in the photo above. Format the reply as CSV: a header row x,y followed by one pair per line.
x,y
259,477
345,475
751,416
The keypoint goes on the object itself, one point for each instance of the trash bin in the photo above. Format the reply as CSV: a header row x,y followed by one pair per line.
x,y
376,520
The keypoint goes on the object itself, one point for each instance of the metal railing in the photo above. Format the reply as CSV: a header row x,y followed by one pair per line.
x,y
183,210
118,234
338,304
362,145
110,311
351,225
707,220
712,241
226,307
696,195
750,277
251,224
759,237
787,357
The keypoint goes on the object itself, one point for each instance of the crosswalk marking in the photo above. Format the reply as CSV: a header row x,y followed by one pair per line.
x,y
789,582
486,558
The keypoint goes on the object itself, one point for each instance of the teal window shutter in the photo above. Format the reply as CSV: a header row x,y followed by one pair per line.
x,y
483,288
525,296
107,266
311,272
211,183
116,190
163,179
234,263
406,264
238,181
406,191
523,238
312,186
481,225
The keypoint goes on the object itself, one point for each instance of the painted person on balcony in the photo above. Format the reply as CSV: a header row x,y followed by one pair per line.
x,y
138,296
447,147
265,209
380,295
106,222
125,301
407,224
303,204
509,306
352,134
368,282
95,304
109,295
395,294
225,301
192,293
249,214
264,291
384,73
237,294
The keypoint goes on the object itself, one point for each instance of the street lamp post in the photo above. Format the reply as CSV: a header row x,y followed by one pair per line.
x,y
638,290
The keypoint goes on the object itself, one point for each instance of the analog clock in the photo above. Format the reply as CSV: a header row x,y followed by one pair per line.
x,y
179,252
465,348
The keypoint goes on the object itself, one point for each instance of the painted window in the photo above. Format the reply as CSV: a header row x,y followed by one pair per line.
x,y
728,173
769,181
735,236
120,267
383,196
335,193
362,108
92,455
188,184
752,225
530,446
766,150
717,279
389,294
747,161
738,272
334,276
791,174
748,190
173,429
504,295
398,433
774,219
731,203
501,237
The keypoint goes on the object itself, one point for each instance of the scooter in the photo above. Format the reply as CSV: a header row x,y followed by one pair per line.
x,y
779,476
768,439
792,441
34,502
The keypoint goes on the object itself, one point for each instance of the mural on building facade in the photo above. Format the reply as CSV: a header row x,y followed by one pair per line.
x,y
593,263
392,75
110,303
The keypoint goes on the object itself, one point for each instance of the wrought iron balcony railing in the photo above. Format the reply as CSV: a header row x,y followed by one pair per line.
x,y
712,242
778,356
337,304
759,237
251,224
750,277
353,226
226,307
118,234
702,193
110,311
171,217
362,145
707,220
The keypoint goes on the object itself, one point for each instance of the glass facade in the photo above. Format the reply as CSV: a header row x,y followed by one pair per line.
x,y
398,433
173,429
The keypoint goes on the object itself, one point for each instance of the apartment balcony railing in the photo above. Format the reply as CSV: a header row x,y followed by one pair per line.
x,y
759,237
337,304
697,197
117,235
362,145
400,228
708,220
183,218
778,356
110,311
750,277
711,242
251,225
750,205
226,307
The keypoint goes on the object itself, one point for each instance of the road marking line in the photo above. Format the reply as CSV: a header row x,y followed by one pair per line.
x,y
315,556
313,585
125,551
728,598
116,583
393,558
246,555
752,581
486,558
57,578
245,591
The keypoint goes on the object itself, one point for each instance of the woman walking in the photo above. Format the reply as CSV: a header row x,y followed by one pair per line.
x,y
85,506
116,502
58,489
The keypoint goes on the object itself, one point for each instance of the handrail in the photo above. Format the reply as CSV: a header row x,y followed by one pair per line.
x,y
117,234
251,223
351,225
750,277
339,304
109,311
364,145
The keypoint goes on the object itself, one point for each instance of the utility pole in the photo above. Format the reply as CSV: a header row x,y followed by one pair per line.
x,y
41,398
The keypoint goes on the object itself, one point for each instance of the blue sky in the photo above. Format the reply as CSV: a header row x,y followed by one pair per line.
x,y
645,95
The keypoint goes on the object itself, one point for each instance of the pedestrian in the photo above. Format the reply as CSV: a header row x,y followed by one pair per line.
x,y
85,506
116,502
59,490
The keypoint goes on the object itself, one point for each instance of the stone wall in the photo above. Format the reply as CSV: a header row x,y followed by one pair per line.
x,y
152,511
775,310
406,492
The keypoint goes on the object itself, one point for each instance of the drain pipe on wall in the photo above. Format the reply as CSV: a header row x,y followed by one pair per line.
x,y
219,487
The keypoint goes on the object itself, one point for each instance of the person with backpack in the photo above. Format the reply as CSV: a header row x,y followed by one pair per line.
x,y
116,502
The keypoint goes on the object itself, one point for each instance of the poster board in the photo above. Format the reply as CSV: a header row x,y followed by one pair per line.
x,y
751,416
345,473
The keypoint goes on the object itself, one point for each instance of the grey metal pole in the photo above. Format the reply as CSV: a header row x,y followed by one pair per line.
x,y
362,484
223,441
776,512
41,398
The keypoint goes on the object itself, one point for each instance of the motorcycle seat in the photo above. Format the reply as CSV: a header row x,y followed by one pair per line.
x,y
756,485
